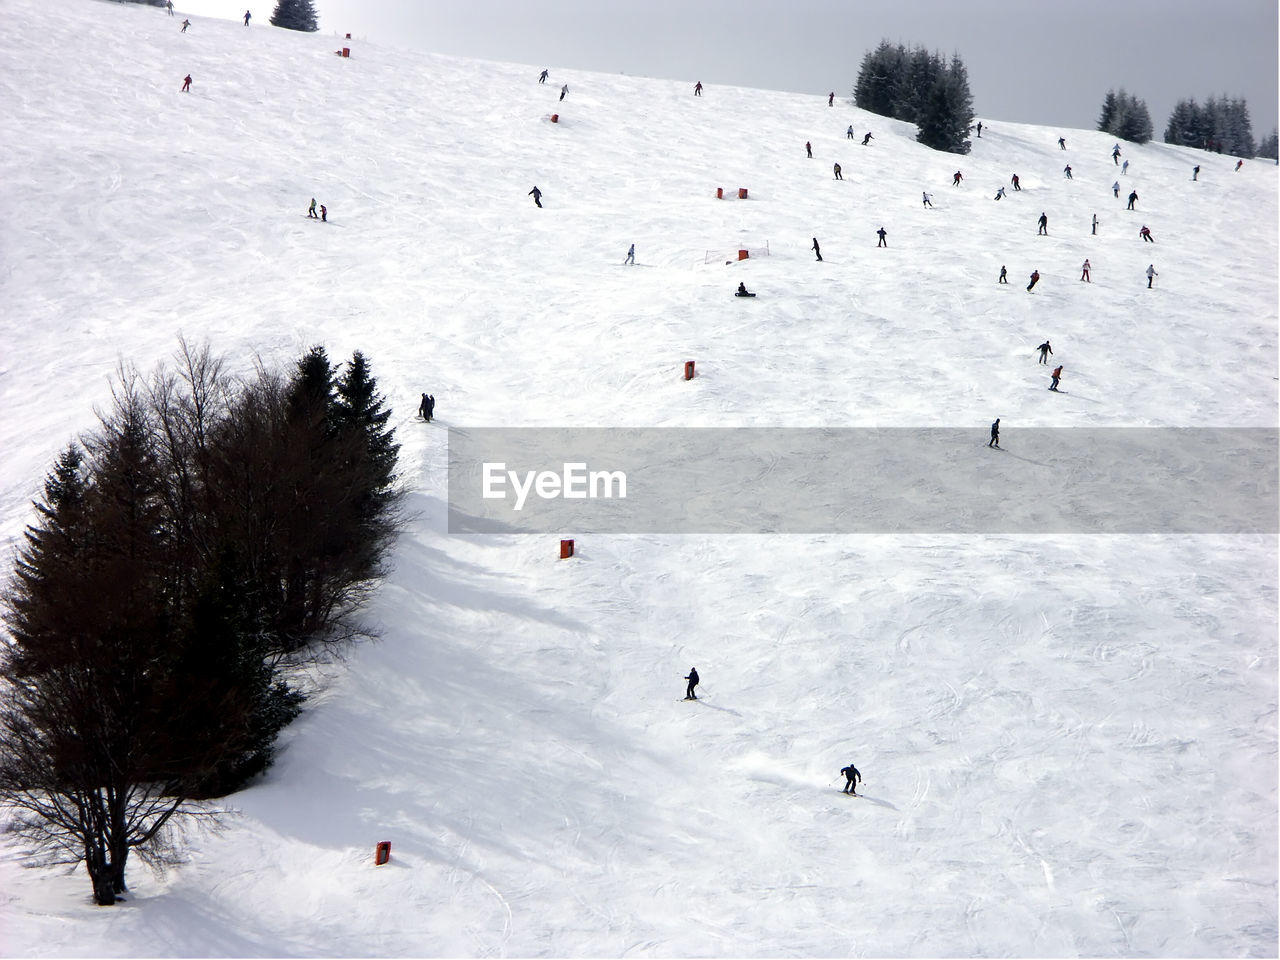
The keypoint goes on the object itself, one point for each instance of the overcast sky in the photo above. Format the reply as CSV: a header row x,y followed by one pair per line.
x,y
1031,61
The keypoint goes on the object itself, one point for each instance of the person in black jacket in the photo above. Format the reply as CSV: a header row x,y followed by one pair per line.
x,y
995,434
537,196
852,776
693,682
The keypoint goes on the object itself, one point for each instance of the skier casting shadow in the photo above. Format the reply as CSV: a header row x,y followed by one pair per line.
x,y
693,682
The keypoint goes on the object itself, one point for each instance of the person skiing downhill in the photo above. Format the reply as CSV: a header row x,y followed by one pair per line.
x,y
246,18
1017,184
1094,230
852,778
1133,198
542,77
1004,274
311,210
1115,154
693,682
867,138
631,255
1035,278
928,200
1062,143
956,178
697,89
999,193
537,196
1043,224
1151,274
1145,234
831,99
1067,172
808,149
1045,351
836,170
995,434
1084,271
1115,188
1124,168
849,133
324,213
1056,375
186,83
817,250
563,90
185,24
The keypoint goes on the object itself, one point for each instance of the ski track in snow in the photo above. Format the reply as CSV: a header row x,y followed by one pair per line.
x,y
1069,742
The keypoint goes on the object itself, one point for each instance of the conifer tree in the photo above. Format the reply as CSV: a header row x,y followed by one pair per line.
x,y
295,15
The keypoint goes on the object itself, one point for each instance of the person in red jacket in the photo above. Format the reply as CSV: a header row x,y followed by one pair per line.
x,y
186,83
1035,278
1057,375
1145,234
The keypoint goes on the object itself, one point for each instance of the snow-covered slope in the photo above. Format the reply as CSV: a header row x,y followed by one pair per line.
x,y
1069,742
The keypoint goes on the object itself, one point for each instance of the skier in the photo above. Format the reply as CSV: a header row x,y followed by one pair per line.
x,y
867,138
1115,188
1067,170
831,99
185,24
1017,184
1195,171
995,434
849,133
1095,225
1062,143
955,180
311,210
1084,271
1133,198
808,149
422,408
542,77
1239,164
837,172
324,213
1035,278
1004,274
1115,154
246,18
1056,375
563,90
431,408
852,777
693,682
1151,274
1043,223
1000,194
537,196
881,234
979,129
742,291
186,83
1145,234
169,6
697,89
631,255
1045,351
816,249
928,200
1124,169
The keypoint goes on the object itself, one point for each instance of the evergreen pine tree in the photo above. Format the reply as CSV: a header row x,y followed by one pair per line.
x,y
949,111
295,15
1269,147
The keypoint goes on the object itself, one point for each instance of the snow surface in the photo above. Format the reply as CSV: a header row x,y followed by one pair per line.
x,y
1069,742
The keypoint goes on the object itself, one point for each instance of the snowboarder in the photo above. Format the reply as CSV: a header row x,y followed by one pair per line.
x,y
1056,375
836,168
1094,231
1151,274
831,99
849,133
817,250
311,210
1035,278
537,196
1017,184
697,89
995,434
1124,169
1115,154
563,90
542,77
246,18
852,778
1000,194
324,213
1133,198
867,138
1062,143
808,149
1084,271
1115,188
185,24
742,291
956,178
1195,171
693,682
186,83
1045,351
881,234
1043,223
1004,274
631,255
1145,234
1067,171
928,200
